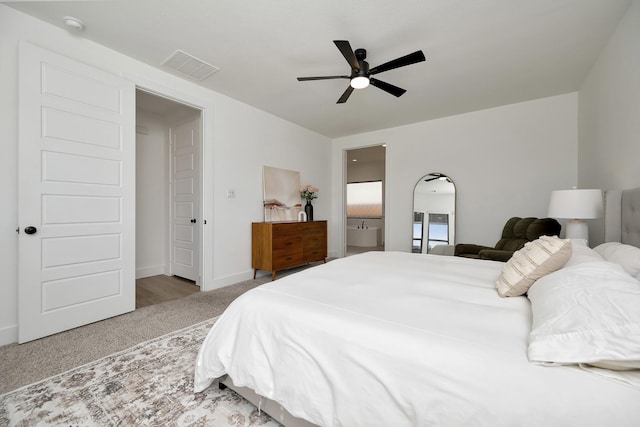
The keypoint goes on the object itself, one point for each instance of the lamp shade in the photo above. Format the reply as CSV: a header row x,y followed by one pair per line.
x,y
576,204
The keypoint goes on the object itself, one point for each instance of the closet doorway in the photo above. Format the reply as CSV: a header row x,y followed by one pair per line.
x,y
365,199
168,193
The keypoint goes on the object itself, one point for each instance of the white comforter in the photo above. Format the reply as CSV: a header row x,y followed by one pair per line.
x,y
397,339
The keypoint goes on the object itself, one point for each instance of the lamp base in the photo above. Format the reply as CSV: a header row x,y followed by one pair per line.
x,y
577,229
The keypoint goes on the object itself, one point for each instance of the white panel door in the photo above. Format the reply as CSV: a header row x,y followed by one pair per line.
x,y
76,203
185,207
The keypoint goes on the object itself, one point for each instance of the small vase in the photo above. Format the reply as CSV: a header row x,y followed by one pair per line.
x,y
308,209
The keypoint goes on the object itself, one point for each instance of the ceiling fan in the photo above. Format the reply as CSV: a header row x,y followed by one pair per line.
x,y
436,175
361,73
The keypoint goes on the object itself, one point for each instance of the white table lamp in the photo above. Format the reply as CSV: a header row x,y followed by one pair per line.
x,y
576,205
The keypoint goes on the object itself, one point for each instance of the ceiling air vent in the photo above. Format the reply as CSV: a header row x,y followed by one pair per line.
x,y
189,65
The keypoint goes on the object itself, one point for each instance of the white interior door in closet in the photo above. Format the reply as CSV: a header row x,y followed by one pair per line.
x,y
185,223
76,204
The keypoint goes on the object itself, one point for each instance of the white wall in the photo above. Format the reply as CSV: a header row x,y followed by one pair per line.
x,y
250,140
609,115
8,183
151,195
504,161
435,203
237,143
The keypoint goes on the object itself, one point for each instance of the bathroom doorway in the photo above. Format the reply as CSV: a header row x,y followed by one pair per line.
x,y
365,199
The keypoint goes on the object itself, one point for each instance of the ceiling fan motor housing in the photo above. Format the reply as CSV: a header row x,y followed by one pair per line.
x,y
361,54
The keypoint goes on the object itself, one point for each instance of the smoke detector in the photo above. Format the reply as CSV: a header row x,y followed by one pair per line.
x,y
73,23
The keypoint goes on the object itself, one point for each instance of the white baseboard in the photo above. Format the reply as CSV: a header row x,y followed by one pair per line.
x,y
230,280
9,335
154,270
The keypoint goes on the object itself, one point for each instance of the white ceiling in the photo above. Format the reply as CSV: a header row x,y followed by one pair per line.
x,y
480,53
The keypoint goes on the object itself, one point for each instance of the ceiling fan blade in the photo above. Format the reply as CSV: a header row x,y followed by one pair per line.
x,y
409,59
389,88
347,52
345,95
304,79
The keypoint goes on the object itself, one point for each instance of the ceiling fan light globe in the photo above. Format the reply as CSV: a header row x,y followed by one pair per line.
x,y
359,82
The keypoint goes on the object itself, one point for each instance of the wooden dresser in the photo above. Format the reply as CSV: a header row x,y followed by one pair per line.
x,y
280,245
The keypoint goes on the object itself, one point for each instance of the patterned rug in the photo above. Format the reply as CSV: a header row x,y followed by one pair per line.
x,y
150,384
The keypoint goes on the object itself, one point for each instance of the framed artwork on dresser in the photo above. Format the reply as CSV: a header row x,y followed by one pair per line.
x,y
281,189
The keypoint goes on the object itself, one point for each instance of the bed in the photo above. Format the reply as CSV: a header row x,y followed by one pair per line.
x,y
391,338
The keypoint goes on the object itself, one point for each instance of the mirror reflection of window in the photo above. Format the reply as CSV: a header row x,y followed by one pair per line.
x,y
418,227
434,200
438,230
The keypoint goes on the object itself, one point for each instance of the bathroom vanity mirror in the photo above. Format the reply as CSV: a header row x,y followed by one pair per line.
x,y
434,206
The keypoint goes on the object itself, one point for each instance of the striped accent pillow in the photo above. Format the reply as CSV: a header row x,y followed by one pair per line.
x,y
535,260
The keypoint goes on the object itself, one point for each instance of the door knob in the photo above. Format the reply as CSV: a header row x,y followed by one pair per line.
x,y
193,221
30,229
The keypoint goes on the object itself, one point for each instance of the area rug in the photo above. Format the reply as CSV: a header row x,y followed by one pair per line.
x,y
150,384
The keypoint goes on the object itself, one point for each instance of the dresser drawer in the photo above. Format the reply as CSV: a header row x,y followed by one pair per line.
x,y
286,242
315,240
319,227
286,229
315,254
284,258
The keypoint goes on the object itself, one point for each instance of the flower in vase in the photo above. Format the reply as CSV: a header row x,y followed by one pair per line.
x,y
308,192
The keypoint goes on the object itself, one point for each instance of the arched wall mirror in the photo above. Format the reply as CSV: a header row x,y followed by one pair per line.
x,y
434,208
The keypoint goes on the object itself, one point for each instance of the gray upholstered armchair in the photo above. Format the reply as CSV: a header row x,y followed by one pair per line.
x,y
516,232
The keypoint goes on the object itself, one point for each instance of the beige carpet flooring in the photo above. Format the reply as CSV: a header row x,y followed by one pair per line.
x,y
22,364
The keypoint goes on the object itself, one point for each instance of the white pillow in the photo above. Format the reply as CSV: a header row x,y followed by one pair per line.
x,y
534,260
580,253
588,313
626,255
